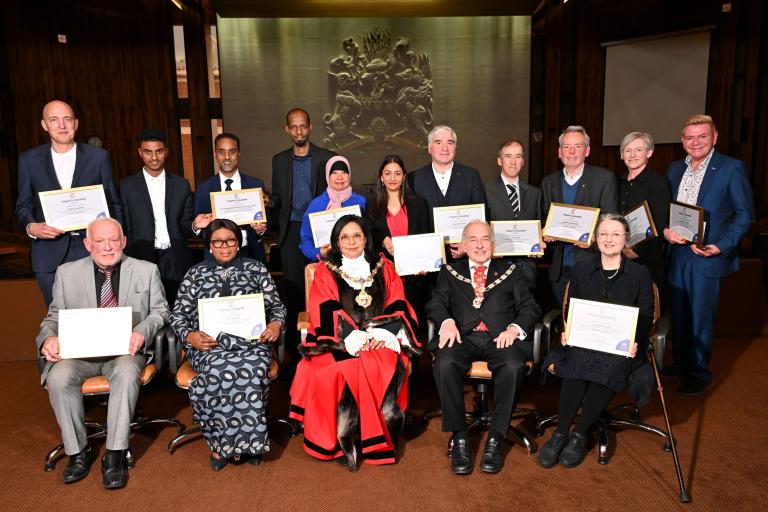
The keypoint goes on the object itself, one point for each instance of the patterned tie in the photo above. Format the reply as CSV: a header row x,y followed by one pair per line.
x,y
228,182
479,279
108,299
513,199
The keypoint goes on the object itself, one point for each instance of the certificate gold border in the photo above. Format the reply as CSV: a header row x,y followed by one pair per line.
x,y
355,209
700,212
644,204
575,301
67,191
578,207
425,235
541,239
245,190
200,310
480,206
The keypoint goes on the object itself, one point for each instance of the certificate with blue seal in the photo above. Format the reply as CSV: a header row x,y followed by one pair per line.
x,y
71,209
517,237
243,207
415,254
641,226
687,220
601,326
238,315
571,223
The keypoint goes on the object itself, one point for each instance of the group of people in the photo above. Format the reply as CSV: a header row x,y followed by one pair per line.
x,y
350,388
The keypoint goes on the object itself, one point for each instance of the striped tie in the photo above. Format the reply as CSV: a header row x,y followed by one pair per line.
x,y
108,299
513,199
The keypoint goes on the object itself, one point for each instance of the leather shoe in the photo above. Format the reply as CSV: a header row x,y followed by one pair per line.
x,y
114,469
549,453
492,459
253,460
670,370
79,465
692,386
217,464
461,455
575,450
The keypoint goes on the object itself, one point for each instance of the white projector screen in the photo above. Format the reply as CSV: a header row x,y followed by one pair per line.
x,y
653,85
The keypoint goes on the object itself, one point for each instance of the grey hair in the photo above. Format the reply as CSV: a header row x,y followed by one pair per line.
x,y
440,128
473,222
612,216
99,221
574,129
632,136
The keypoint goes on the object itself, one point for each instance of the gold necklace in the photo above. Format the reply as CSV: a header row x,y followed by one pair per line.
x,y
363,299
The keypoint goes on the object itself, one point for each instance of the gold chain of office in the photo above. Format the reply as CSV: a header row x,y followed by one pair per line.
x,y
363,299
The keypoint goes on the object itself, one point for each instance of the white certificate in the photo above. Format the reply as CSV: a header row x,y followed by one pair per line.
x,y
517,237
418,253
238,315
71,209
450,220
322,223
641,226
94,332
600,326
240,206
687,220
571,223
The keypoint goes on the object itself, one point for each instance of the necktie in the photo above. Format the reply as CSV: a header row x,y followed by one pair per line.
x,y
107,299
479,280
513,199
228,182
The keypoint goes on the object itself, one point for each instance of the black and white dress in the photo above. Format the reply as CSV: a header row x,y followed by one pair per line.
x,y
229,393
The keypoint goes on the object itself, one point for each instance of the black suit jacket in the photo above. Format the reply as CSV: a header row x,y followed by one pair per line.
x,y
509,302
139,225
37,174
597,188
418,220
282,184
465,187
498,201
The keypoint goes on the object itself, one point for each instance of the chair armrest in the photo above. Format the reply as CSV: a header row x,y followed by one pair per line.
x,y
174,352
550,318
278,347
160,349
538,330
659,340
302,322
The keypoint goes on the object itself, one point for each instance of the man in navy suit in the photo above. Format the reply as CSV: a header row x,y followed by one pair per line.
x,y
59,165
229,178
719,185
444,182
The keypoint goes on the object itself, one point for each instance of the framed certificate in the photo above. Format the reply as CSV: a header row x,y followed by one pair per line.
x,y
70,209
94,332
238,315
243,207
600,326
517,237
418,253
322,223
641,226
450,220
687,220
571,223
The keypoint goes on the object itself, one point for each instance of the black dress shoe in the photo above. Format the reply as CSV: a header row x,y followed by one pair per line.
x,y
492,460
217,464
670,370
575,450
461,455
114,469
692,386
79,465
253,460
549,453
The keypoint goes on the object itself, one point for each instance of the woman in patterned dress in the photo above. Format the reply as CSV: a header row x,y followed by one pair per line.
x,y
229,394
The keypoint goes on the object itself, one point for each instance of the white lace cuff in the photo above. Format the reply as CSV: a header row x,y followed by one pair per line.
x,y
390,340
355,341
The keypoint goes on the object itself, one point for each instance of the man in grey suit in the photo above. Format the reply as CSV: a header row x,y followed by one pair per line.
x,y
106,278
577,183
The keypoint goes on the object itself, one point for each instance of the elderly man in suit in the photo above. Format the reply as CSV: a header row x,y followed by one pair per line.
x,y
577,183
484,312
718,184
158,211
106,278
445,182
61,164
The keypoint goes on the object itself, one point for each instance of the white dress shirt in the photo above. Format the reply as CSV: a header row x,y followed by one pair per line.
x,y
156,187
64,164
443,179
572,180
235,185
513,183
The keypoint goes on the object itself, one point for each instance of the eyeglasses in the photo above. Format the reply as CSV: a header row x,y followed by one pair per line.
x,y
229,242
354,237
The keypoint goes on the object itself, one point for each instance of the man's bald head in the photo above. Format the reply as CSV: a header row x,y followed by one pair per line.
x,y
61,124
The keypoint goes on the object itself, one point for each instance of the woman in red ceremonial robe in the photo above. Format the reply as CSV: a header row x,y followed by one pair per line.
x,y
350,389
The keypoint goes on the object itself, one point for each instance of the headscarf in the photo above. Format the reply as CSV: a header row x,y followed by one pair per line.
x,y
337,197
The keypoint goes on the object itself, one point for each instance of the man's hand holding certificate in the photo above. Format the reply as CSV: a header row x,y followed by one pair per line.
x,y
571,223
243,207
95,332
601,326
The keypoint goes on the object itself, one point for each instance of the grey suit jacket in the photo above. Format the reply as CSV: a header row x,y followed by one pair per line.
x,y
498,201
140,288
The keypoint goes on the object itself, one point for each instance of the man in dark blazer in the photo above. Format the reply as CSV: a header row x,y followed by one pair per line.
x,y
61,164
719,185
444,182
227,147
483,311
577,183
158,213
510,198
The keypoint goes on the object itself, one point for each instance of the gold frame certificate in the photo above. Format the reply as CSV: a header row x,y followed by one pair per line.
x,y
517,237
450,220
418,253
243,207
71,209
571,223
641,226
600,326
238,315
95,332
322,223
687,220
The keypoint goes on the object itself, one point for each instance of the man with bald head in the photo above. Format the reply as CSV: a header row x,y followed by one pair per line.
x,y
60,164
